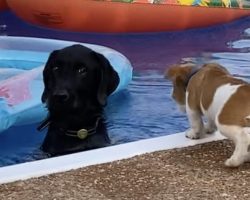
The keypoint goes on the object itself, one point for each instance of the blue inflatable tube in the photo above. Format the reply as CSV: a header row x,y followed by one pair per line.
x,y
21,83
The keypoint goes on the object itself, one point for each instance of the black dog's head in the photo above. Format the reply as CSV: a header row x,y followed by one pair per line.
x,y
77,83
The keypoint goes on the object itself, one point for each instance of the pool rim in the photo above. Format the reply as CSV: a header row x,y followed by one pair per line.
x,y
34,169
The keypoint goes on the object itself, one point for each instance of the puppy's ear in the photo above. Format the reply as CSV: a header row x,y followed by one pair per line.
x,y
47,75
180,72
171,72
109,79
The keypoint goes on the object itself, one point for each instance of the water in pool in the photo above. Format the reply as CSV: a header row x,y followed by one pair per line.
x,y
142,111
145,109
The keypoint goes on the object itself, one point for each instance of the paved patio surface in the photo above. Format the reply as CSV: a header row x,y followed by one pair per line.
x,y
190,173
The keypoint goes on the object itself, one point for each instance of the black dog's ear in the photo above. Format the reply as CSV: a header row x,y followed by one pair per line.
x,y
47,74
109,79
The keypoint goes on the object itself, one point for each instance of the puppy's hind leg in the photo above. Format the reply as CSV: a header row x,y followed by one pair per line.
x,y
247,132
241,139
196,123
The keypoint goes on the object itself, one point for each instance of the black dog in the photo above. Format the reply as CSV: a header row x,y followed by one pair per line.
x,y
77,83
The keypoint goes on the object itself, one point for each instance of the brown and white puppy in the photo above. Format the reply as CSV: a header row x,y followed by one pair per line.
x,y
223,99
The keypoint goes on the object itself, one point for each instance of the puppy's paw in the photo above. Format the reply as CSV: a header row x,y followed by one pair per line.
x,y
208,129
247,157
233,162
192,134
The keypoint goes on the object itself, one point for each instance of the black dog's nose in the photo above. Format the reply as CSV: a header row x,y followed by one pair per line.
x,y
61,95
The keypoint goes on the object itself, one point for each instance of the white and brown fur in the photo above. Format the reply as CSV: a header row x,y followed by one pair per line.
x,y
223,99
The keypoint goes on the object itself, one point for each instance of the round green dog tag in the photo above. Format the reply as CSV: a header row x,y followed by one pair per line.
x,y
82,133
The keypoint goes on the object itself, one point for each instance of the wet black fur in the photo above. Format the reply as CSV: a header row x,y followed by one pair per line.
x,y
77,83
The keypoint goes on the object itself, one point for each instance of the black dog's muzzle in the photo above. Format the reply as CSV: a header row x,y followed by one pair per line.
x,y
81,133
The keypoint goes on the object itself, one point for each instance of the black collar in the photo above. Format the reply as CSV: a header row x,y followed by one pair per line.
x,y
193,72
81,133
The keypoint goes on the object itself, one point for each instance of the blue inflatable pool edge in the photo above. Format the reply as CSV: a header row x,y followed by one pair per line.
x,y
21,81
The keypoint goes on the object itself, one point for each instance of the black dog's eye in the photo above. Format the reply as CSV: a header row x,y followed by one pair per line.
x,y
82,70
55,68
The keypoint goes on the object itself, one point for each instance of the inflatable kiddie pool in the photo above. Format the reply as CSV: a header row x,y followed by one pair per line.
x,y
21,83
126,16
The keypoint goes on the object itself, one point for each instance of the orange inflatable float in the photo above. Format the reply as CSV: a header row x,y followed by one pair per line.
x,y
128,15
